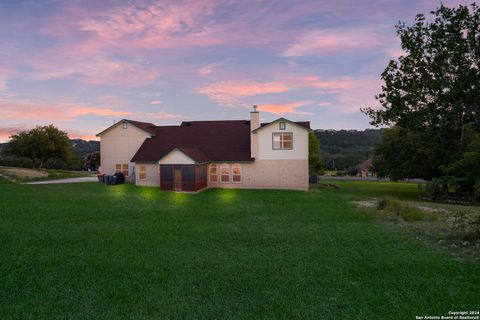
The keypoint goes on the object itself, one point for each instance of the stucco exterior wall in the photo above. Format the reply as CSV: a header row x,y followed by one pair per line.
x,y
118,145
153,175
300,142
270,174
176,157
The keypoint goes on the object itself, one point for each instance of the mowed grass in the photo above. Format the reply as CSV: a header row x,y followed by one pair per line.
x,y
87,251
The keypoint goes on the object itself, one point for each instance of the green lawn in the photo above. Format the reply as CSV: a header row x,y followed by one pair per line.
x,y
86,251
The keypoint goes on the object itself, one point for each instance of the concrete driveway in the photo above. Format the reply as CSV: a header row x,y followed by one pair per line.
x,y
69,180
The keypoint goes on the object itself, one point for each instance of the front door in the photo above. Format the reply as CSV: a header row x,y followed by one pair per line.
x,y
178,179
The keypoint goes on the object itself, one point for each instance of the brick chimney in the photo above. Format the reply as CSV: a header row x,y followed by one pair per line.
x,y
254,124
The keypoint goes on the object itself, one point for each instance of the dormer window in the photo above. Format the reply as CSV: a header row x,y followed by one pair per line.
x,y
124,124
282,125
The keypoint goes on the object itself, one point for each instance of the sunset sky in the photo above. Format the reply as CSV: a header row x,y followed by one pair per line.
x,y
83,64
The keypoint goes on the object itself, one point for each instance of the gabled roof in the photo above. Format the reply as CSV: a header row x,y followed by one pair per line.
x,y
304,124
214,140
202,141
145,126
193,153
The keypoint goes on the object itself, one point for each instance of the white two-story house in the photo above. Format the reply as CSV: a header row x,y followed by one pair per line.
x,y
199,154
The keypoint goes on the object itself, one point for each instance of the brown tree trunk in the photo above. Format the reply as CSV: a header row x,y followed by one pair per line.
x,y
42,160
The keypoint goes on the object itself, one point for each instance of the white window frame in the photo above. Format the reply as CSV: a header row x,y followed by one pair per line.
x,y
125,169
229,174
281,134
216,166
140,171
239,175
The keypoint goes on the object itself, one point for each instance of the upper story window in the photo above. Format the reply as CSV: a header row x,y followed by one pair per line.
x,y
213,172
282,141
124,124
225,172
282,125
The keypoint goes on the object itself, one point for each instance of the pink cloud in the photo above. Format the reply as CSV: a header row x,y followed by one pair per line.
x,y
361,93
323,86
160,115
155,102
208,69
229,92
281,109
157,25
6,132
324,104
394,49
95,69
334,40
20,111
73,134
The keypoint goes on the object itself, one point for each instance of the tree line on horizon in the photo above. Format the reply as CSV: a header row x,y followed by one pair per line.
x,y
344,150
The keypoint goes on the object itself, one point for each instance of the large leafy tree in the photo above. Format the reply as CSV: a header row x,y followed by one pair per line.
x,y
436,84
40,145
431,94
399,155
314,160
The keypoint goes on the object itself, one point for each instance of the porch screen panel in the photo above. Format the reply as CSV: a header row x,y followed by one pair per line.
x,y
188,177
166,176
188,173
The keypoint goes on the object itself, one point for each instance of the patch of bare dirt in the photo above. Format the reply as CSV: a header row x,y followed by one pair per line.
x,y
366,203
22,173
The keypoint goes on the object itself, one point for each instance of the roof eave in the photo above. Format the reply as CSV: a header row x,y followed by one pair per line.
x,y
128,121
178,149
281,119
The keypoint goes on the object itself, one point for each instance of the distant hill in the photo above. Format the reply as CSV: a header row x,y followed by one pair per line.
x,y
80,147
84,147
342,149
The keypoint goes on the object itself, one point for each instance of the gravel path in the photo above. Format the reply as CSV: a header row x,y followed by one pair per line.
x,y
70,180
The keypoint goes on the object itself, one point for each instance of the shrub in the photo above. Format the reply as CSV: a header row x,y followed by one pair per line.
x,y
477,190
382,203
466,225
17,162
339,173
402,210
352,171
